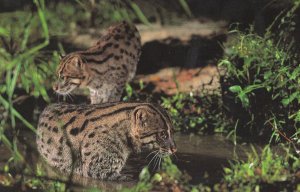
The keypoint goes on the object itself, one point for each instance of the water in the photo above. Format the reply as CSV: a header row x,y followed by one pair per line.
x,y
202,157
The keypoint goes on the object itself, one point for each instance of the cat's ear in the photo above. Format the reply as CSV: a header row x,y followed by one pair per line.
x,y
77,62
135,130
138,115
141,115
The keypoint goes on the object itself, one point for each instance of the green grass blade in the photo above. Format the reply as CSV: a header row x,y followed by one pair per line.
x,y
26,36
185,7
18,156
10,91
13,83
11,147
39,4
139,13
17,114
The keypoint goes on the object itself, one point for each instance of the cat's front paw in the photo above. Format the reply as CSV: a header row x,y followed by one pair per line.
x,y
125,177
121,177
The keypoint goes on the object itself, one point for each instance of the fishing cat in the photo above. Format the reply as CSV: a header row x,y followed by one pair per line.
x,y
96,140
104,68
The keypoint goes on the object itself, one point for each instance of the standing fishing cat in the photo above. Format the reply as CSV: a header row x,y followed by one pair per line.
x,y
105,68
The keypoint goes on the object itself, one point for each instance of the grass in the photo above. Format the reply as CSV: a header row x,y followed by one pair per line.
x,y
190,113
263,170
261,83
169,177
195,114
18,69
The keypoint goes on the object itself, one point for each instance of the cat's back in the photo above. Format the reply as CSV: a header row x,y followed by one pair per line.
x,y
120,48
72,120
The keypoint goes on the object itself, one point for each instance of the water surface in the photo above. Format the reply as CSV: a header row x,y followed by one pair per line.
x,y
202,157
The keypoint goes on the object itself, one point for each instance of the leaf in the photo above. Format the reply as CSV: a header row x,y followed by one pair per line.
x,y
285,101
3,32
144,175
227,170
129,90
244,99
157,177
267,75
291,98
235,89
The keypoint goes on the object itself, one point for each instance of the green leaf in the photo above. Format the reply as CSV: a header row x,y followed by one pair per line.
x,y
144,175
129,90
3,32
267,75
244,99
157,177
285,101
235,89
227,170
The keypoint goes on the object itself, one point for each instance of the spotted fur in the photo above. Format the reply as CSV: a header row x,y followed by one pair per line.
x,y
96,140
104,68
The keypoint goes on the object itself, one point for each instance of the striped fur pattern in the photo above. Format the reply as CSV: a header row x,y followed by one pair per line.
x,y
96,140
104,68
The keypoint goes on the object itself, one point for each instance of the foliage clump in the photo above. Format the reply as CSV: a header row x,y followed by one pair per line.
x,y
169,178
260,90
263,171
195,114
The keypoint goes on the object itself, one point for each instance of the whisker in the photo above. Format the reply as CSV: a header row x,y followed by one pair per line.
x,y
152,158
159,164
69,95
156,161
151,153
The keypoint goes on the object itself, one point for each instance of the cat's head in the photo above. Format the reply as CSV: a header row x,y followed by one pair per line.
x,y
153,129
71,74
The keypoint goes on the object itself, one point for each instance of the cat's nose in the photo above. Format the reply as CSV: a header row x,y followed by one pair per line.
x,y
173,149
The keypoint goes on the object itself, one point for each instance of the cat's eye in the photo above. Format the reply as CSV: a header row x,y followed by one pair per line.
x,y
144,124
164,135
62,77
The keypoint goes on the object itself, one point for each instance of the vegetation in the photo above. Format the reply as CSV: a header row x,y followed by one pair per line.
x,y
22,67
259,71
169,177
260,88
195,114
264,170
260,96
